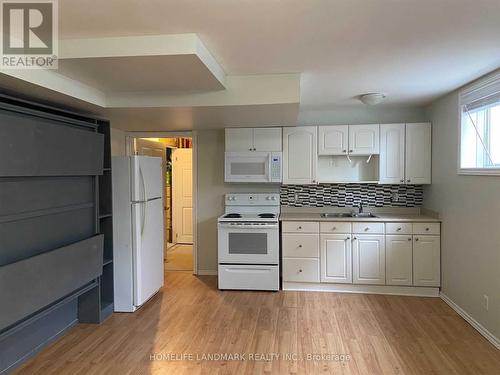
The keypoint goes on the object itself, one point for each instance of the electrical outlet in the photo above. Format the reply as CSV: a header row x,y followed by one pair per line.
x,y
486,302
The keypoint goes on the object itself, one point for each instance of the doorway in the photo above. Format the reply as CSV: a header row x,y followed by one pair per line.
x,y
177,176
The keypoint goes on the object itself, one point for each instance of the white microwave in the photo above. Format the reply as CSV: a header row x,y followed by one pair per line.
x,y
253,167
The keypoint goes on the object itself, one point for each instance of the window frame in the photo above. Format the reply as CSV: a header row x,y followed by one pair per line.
x,y
483,85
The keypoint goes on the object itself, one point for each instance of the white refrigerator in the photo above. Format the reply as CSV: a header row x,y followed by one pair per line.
x,y
138,233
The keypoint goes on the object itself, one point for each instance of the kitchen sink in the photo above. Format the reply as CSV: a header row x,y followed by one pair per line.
x,y
345,214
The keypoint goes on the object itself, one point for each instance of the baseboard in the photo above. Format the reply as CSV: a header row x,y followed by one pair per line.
x,y
207,272
473,322
415,291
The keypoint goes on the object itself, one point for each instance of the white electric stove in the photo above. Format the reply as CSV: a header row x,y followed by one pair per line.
x,y
248,242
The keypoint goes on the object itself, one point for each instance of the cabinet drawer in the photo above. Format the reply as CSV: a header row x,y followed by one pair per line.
x,y
398,228
304,270
367,228
300,227
301,245
426,228
335,227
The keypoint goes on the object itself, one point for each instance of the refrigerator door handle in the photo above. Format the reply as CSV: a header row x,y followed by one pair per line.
x,y
143,185
143,216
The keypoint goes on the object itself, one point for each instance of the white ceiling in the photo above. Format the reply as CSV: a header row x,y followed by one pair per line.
x,y
412,50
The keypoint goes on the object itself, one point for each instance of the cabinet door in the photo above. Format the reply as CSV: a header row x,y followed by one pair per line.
x,y
333,140
267,139
239,139
392,154
364,139
368,259
426,261
299,155
398,260
418,153
336,258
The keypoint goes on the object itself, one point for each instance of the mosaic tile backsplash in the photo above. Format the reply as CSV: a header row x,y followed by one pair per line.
x,y
349,195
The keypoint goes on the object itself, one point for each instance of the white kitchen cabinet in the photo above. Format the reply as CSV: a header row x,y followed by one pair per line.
x,y
418,153
364,139
392,154
267,139
253,139
305,270
239,139
299,155
398,260
426,260
333,140
336,258
368,259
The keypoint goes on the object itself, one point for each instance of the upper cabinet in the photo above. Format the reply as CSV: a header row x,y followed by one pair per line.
x,y
253,139
405,153
299,155
333,140
364,139
418,153
348,139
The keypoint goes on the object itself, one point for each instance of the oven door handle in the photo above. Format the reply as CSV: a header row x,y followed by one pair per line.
x,y
248,226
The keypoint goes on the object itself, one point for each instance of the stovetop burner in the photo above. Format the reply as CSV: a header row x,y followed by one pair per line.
x,y
267,216
232,216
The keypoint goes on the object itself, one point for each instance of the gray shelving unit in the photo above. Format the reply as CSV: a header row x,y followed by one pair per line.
x,y
97,304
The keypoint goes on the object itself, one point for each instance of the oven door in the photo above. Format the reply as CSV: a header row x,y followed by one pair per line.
x,y
247,167
247,243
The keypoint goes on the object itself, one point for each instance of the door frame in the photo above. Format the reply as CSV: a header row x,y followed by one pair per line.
x,y
129,143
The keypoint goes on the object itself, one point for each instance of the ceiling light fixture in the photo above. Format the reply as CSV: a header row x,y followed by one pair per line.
x,y
372,98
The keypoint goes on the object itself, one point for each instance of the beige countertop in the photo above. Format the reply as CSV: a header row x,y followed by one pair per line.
x,y
399,215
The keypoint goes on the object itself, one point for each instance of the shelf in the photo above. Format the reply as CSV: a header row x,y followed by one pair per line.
x,y
106,169
106,262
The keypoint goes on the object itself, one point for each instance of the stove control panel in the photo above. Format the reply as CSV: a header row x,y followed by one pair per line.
x,y
258,199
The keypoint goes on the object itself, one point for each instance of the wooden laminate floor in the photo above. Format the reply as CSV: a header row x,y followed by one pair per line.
x,y
371,334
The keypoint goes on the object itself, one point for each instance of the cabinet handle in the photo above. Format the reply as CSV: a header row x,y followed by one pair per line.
x,y
254,149
350,150
300,270
299,228
366,229
344,150
401,180
409,238
355,238
347,238
426,229
398,229
334,228
416,239
249,149
300,245
408,180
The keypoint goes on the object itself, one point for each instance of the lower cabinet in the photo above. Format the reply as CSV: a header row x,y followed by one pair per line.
x,y
426,260
302,270
398,260
336,259
368,259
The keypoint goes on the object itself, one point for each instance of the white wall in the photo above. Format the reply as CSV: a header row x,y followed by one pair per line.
x,y
118,142
470,209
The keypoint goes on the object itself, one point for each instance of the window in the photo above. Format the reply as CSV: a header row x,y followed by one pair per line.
x,y
480,128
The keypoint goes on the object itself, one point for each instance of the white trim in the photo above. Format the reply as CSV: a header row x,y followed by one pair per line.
x,y
207,272
129,137
473,322
416,291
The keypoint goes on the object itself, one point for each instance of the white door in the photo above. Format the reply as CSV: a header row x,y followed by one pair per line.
x,y
392,154
336,258
147,178
182,194
364,139
299,155
148,249
239,139
398,260
418,153
426,261
333,140
368,259
267,139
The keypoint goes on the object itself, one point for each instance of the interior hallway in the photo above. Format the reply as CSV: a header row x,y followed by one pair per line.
x,y
179,258
382,334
